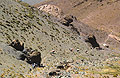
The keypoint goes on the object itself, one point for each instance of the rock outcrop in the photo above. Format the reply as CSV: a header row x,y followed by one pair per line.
x,y
34,57
92,41
17,45
67,20
51,9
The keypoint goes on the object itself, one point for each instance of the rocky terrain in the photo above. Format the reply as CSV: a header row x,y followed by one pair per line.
x,y
102,15
35,44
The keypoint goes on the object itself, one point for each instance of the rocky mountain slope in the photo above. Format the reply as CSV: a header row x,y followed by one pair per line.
x,y
100,15
63,49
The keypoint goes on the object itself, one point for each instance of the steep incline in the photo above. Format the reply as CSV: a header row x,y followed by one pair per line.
x,y
102,15
63,50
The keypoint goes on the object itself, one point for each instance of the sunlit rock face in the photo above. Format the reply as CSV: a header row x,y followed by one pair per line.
x,y
51,9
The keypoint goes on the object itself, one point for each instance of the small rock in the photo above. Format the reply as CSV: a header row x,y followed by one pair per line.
x,y
60,67
105,45
78,50
54,73
71,49
82,60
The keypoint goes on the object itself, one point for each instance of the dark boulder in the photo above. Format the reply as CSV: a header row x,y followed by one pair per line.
x,y
34,57
17,45
54,73
60,67
67,20
92,41
64,22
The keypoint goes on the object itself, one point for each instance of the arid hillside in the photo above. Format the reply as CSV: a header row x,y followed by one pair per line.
x,y
91,12
101,15
35,44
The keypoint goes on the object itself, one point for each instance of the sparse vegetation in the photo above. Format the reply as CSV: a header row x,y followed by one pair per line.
x,y
57,43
